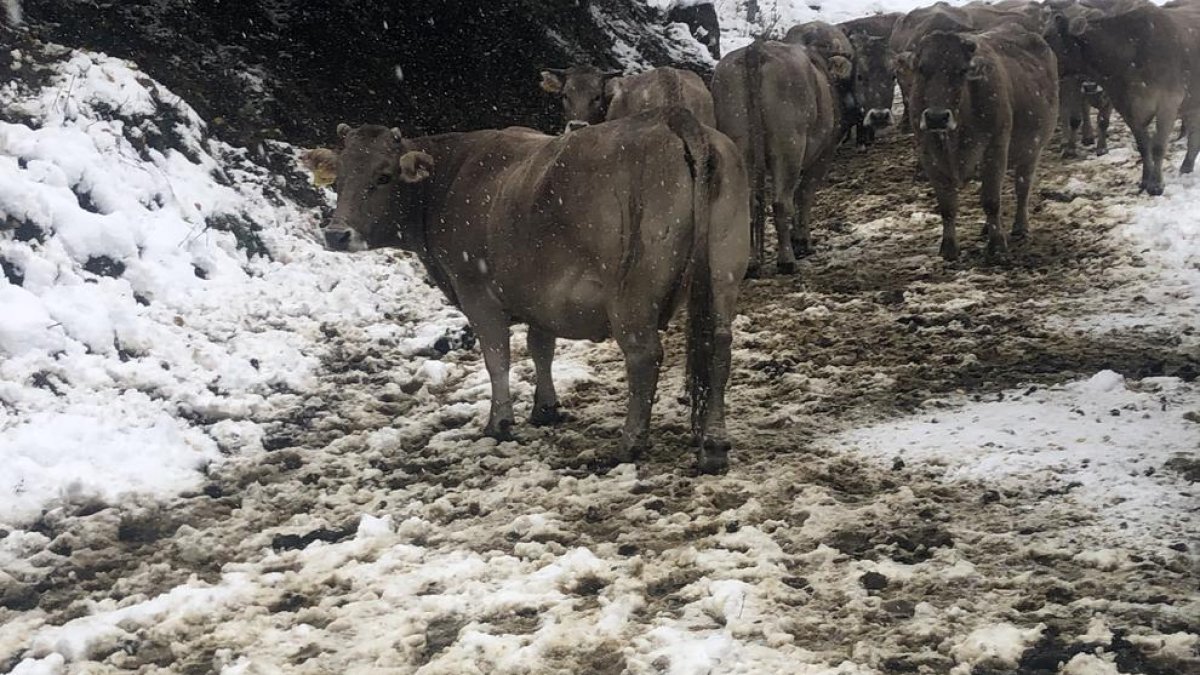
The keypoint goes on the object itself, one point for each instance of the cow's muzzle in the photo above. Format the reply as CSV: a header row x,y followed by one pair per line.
x,y
937,119
575,125
1092,88
878,118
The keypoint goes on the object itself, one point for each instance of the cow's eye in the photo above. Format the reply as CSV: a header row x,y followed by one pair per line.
x,y
383,179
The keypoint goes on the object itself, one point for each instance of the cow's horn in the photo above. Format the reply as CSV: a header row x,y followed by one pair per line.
x,y
397,135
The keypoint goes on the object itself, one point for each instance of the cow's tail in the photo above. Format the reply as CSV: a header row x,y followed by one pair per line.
x,y
758,150
702,320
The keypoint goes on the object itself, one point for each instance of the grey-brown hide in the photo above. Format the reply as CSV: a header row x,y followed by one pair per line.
x,y
593,96
984,103
1138,53
971,18
659,88
834,47
876,83
1186,15
600,232
778,103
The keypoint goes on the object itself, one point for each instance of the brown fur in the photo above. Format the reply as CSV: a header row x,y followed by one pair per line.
x,y
994,100
599,232
876,82
779,105
594,96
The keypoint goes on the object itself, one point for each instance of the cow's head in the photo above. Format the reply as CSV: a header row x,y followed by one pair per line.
x,y
585,91
946,65
374,173
874,80
1064,22
828,44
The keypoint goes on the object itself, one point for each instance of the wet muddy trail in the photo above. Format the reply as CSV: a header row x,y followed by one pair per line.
x,y
803,554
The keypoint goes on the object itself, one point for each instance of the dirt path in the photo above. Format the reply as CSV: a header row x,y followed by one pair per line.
x,y
804,555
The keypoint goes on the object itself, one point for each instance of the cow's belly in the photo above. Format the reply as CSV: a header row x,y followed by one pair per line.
x,y
566,306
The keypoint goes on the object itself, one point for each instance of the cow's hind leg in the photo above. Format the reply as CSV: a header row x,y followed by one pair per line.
x,y
1191,126
1024,177
639,341
545,399
1072,111
1103,119
710,347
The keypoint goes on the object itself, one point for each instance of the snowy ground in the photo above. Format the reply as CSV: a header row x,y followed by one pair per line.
x,y
222,462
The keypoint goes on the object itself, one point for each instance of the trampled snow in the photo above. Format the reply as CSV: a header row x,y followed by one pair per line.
x,y
452,553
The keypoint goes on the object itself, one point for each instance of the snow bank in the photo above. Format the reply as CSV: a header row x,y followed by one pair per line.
x,y
160,289
1100,441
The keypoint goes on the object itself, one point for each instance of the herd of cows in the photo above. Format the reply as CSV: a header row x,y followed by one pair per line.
x,y
655,195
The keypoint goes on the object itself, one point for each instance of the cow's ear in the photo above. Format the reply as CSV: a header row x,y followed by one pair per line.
x,y
322,162
904,62
609,74
980,68
415,166
552,81
1077,26
840,67
343,130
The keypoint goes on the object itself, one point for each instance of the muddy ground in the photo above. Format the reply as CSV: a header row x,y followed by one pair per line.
x,y
872,327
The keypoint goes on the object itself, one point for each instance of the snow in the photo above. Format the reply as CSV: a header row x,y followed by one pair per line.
x,y
466,555
112,332
1101,438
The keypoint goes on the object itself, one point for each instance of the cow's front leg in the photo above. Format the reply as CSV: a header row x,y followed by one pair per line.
x,y
945,188
991,183
493,331
545,399
643,356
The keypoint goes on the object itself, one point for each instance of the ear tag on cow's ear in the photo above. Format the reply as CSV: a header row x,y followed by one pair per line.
x,y
415,166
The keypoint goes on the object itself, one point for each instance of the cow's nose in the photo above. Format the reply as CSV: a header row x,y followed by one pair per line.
x,y
879,118
337,240
936,119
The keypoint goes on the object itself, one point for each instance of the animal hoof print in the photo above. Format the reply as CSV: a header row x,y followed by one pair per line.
x,y
714,456
547,416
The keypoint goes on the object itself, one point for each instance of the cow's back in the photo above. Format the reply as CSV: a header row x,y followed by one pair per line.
x,y
1028,73
782,84
661,88
878,26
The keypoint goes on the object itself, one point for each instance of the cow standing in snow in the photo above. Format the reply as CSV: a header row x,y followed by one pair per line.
x,y
984,103
600,232
1145,58
590,95
779,104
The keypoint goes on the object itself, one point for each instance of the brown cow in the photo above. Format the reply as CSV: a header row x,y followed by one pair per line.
x,y
1186,14
828,41
1077,92
592,96
778,103
1138,53
970,18
987,102
596,233
876,82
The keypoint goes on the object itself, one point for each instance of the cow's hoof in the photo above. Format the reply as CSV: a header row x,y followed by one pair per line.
x,y
1187,168
997,249
1070,153
713,456
1153,189
1101,150
631,450
547,416
801,248
754,271
786,267
1018,234
500,430
949,250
